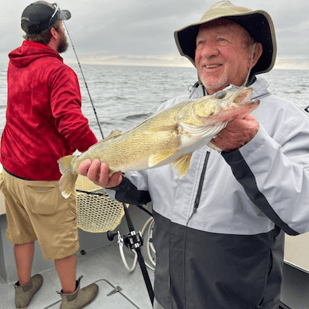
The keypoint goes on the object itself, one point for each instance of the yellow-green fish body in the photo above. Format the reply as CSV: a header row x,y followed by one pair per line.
x,y
170,136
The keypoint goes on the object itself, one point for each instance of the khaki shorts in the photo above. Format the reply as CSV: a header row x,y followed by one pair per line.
x,y
36,210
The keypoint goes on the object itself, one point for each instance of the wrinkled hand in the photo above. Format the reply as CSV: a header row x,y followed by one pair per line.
x,y
99,173
236,134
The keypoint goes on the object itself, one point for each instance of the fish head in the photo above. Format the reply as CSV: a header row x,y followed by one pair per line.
x,y
225,105
202,110
205,117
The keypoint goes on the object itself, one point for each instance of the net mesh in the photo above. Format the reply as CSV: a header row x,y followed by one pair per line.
x,y
97,212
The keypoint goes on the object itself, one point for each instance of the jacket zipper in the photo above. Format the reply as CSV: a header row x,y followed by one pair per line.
x,y
200,186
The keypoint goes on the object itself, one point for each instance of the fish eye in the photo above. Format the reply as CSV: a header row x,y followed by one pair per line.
x,y
220,95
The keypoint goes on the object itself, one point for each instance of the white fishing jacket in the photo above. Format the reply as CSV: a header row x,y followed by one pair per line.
x,y
218,233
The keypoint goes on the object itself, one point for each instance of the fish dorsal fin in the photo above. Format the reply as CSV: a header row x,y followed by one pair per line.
x,y
113,134
159,157
181,165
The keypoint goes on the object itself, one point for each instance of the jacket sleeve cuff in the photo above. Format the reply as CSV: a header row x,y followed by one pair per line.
x,y
127,192
86,141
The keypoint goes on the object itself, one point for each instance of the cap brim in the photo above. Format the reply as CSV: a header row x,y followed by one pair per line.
x,y
64,15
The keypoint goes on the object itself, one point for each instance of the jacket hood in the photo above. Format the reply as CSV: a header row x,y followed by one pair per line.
x,y
30,51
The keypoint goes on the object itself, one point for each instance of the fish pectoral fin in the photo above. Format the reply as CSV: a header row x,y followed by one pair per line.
x,y
159,157
181,165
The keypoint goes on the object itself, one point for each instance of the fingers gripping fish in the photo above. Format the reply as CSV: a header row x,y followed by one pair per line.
x,y
169,136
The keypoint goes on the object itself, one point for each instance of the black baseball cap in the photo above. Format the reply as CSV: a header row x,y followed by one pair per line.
x,y
40,15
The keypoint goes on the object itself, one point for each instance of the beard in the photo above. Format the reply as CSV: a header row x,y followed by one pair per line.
x,y
216,85
213,83
63,44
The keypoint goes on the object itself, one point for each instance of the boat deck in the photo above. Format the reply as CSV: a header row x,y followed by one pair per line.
x,y
117,287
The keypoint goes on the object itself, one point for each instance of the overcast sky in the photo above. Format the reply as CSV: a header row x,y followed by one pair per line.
x,y
141,31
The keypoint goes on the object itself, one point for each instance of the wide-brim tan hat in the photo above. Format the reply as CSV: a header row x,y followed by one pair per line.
x,y
258,23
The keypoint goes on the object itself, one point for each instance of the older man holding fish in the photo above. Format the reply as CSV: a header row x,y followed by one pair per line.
x,y
219,227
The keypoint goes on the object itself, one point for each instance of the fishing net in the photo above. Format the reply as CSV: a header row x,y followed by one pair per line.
x,y
97,212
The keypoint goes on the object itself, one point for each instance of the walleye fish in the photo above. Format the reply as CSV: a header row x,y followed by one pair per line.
x,y
169,136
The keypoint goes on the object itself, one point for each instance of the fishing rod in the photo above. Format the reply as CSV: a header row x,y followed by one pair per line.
x,y
93,107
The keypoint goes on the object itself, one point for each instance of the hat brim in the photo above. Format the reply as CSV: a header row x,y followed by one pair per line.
x,y
258,23
61,15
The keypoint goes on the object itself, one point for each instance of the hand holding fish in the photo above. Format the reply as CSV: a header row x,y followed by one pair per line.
x,y
99,173
236,134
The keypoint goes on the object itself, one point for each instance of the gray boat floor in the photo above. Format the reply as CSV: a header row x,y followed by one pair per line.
x,y
103,266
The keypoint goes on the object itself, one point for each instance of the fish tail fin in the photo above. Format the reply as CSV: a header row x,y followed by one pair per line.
x,y
68,178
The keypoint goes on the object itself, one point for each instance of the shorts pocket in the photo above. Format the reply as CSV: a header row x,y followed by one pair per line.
x,y
4,184
43,200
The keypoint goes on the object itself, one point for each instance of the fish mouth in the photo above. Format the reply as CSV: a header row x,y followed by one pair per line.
x,y
243,96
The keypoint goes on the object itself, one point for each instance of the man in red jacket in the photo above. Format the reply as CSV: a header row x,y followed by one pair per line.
x,y
44,122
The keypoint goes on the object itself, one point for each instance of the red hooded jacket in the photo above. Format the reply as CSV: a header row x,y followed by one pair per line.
x,y
44,121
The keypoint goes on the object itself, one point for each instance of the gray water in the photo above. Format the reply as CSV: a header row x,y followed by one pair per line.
x,y
124,96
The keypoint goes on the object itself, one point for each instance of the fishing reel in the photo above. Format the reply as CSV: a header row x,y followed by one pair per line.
x,y
132,240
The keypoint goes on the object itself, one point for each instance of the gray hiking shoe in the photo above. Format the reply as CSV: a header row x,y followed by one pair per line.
x,y
80,298
24,294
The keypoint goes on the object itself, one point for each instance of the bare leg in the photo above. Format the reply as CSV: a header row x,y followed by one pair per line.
x,y
66,269
24,256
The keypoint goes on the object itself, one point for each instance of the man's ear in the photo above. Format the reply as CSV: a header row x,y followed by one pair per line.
x,y
54,33
257,54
